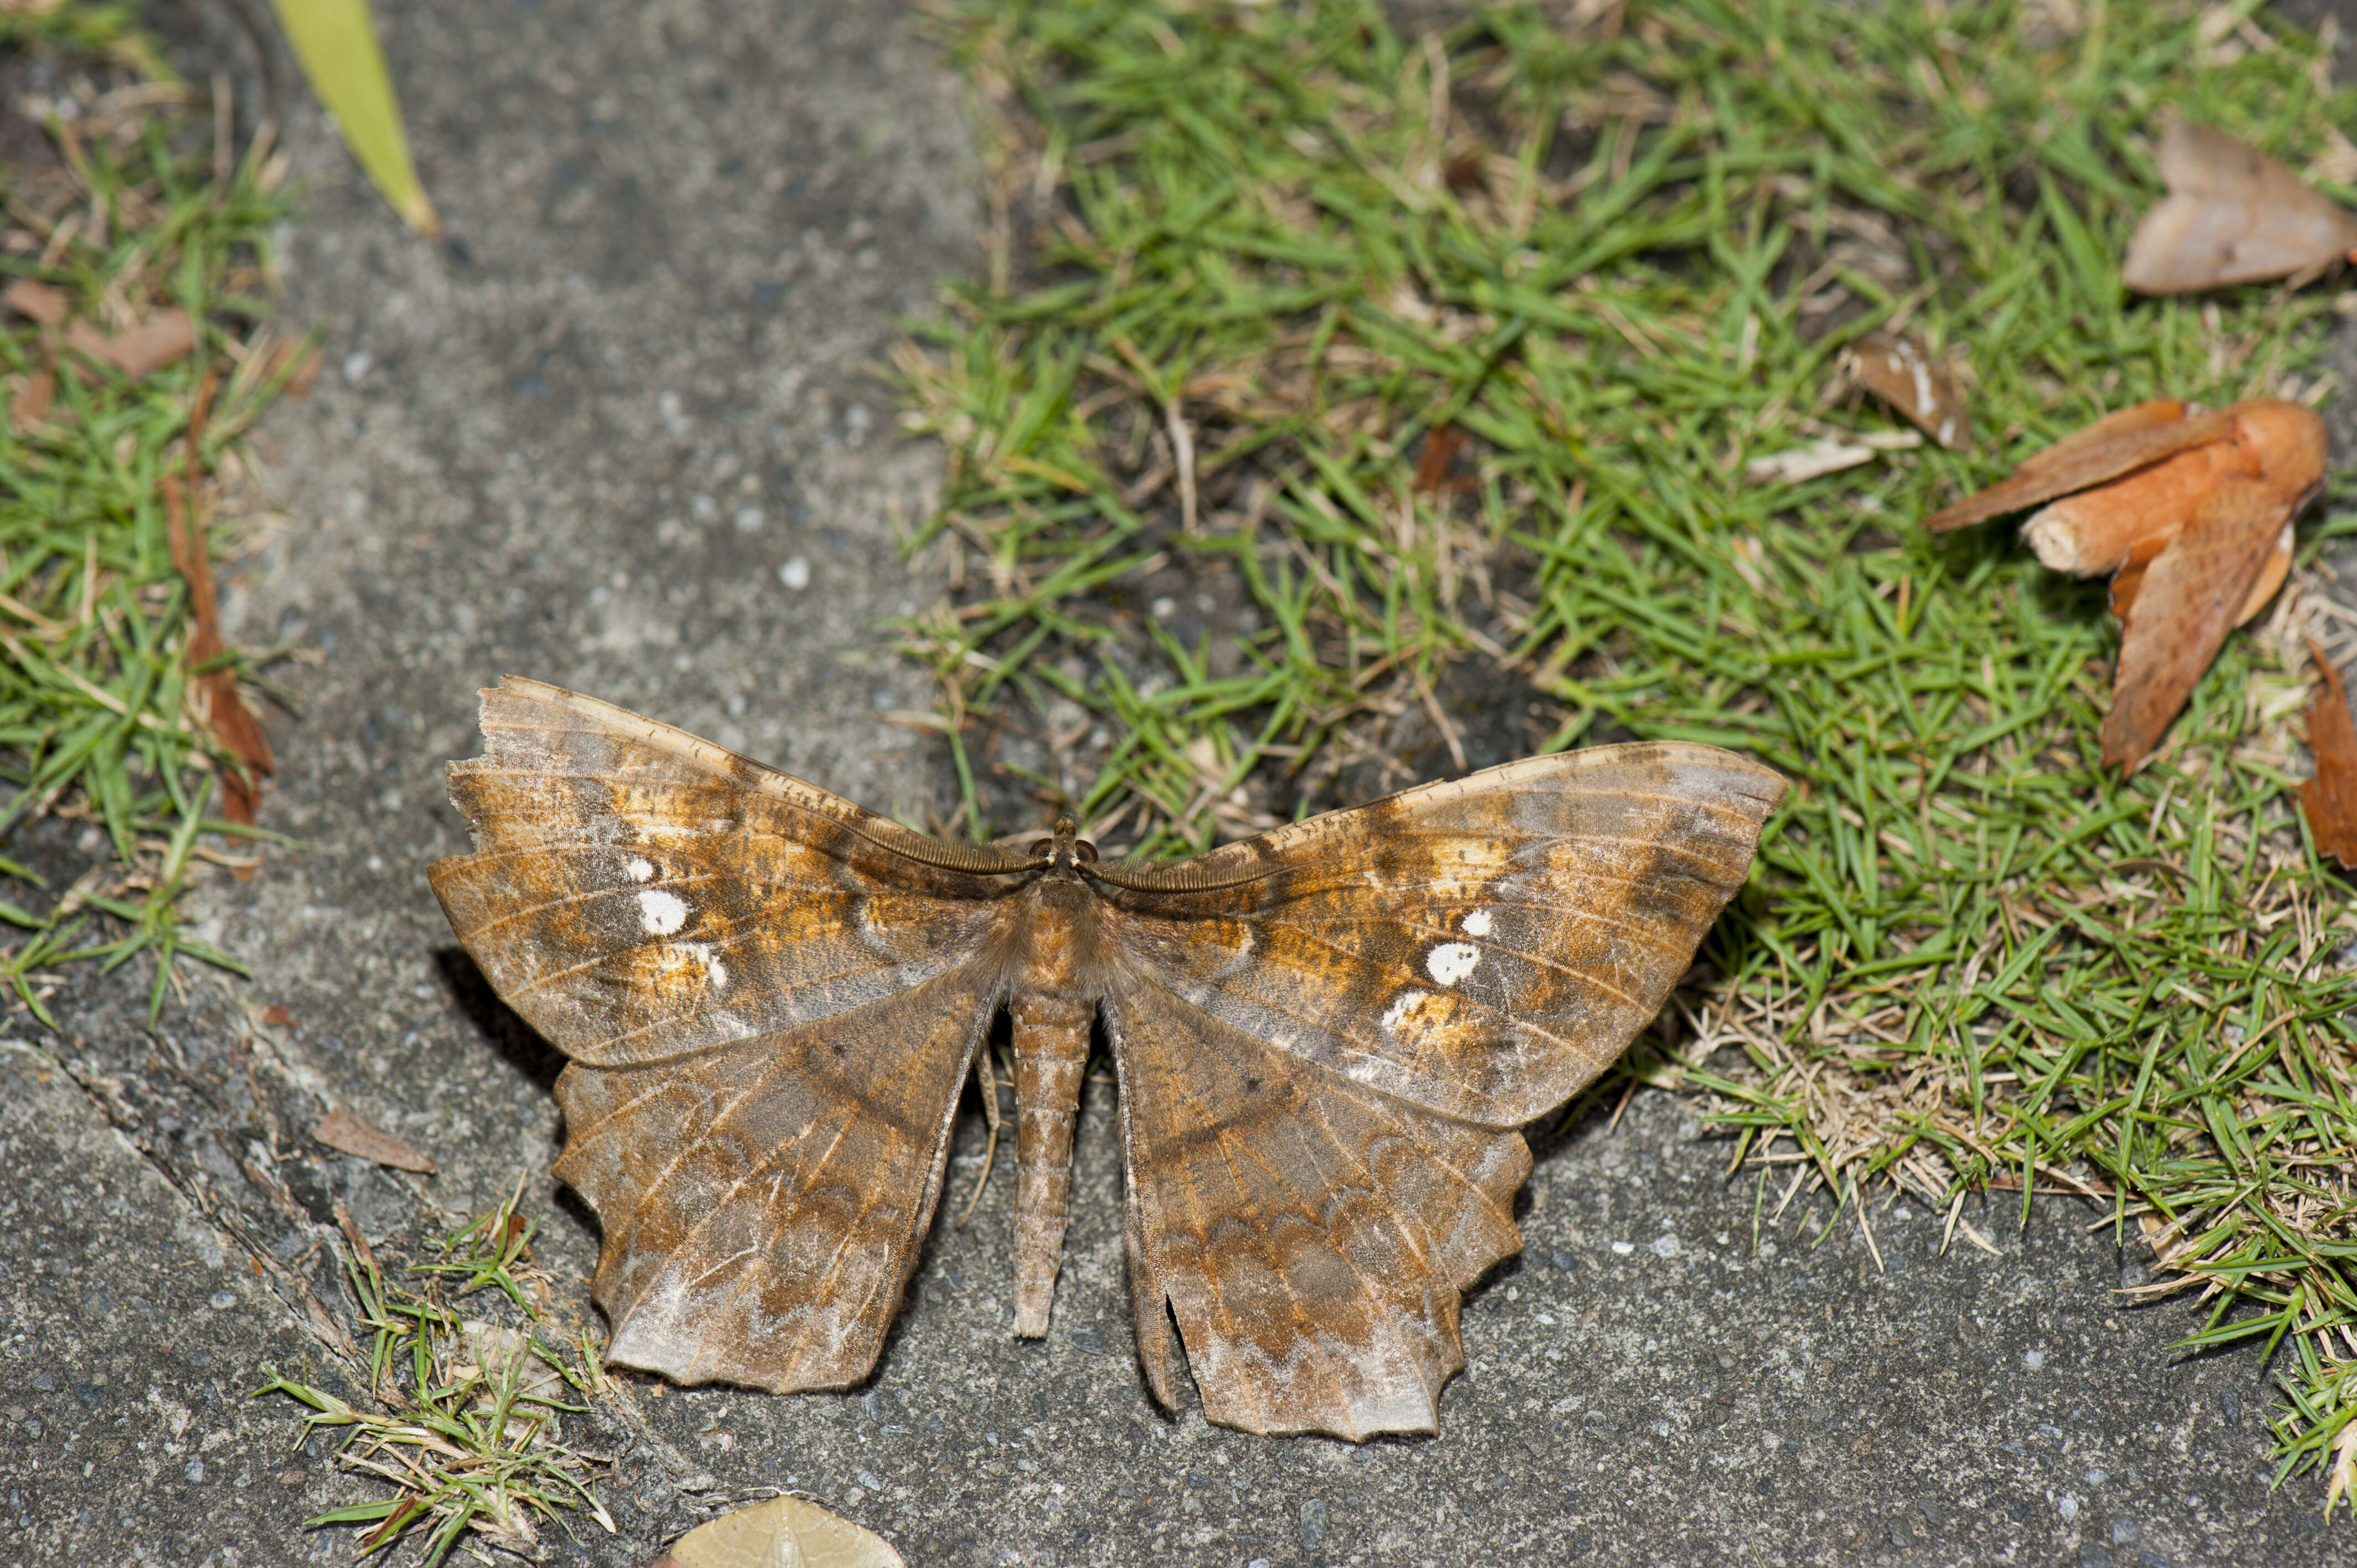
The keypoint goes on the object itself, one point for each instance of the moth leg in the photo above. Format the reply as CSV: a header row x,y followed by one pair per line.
x,y
989,1086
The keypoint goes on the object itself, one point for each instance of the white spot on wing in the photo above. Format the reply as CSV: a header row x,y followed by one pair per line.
x,y
1451,962
1477,923
1406,1002
640,868
661,912
715,973
1924,402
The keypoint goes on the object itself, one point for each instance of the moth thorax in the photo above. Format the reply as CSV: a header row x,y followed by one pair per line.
x,y
1051,955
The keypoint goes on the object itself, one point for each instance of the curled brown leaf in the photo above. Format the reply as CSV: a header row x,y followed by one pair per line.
x,y
784,1532
2233,215
1904,374
2328,801
166,336
2190,512
35,301
347,1133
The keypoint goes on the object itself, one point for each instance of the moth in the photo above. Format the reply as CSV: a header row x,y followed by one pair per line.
x,y
2189,511
1326,1038
2233,215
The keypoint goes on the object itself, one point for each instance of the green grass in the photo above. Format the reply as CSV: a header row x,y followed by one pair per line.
x,y
140,211
465,1417
83,28
1252,258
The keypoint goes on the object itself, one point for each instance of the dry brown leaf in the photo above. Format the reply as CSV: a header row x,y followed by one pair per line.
x,y
347,1133
2190,512
2186,602
166,336
29,404
1826,455
37,301
2129,518
493,1351
1441,446
305,375
2328,801
2233,215
1900,371
225,715
784,1532
278,1017
2115,445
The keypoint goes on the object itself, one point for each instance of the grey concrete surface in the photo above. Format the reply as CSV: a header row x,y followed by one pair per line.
x,y
134,1329
578,442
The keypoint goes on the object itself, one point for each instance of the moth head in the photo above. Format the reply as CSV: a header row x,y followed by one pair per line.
x,y
1066,848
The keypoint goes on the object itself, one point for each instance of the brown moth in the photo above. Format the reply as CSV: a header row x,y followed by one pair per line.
x,y
2233,215
1900,371
2188,512
1328,1040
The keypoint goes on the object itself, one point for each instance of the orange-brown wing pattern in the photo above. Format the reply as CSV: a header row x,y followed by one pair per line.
x,y
1482,948
639,893
770,998
764,1203
1328,1038
1311,1236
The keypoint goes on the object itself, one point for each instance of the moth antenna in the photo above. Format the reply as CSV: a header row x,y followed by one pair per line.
x,y
1184,878
989,1077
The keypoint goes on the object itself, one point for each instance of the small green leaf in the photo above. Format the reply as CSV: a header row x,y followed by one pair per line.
x,y
336,41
